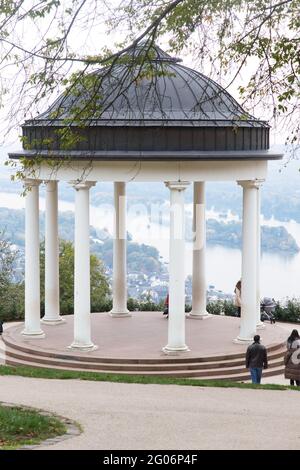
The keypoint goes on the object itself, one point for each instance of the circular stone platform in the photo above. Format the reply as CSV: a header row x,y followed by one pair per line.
x,y
144,334
134,345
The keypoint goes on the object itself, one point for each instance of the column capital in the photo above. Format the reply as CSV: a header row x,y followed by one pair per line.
x,y
177,185
259,182
30,182
251,184
82,184
50,181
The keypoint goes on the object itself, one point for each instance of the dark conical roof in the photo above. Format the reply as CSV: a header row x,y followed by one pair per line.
x,y
147,101
166,92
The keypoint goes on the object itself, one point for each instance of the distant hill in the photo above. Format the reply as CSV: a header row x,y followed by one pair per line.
x,y
141,257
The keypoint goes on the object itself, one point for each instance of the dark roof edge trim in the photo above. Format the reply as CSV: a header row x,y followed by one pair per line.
x,y
149,121
149,156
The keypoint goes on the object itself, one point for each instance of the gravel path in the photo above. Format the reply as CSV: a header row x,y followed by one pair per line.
x,y
130,416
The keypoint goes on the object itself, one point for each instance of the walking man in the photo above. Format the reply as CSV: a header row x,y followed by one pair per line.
x,y
256,360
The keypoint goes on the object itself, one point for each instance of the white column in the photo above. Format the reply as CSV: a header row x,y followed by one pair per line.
x,y
199,247
176,322
259,323
249,263
82,289
32,261
52,316
119,254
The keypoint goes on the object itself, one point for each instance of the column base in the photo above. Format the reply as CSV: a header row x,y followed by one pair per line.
x,y
175,351
199,316
260,326
39,334
57,321
120,314
239,340
83,347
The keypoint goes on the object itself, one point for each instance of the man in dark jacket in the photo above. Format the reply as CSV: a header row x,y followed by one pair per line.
x,y
256,359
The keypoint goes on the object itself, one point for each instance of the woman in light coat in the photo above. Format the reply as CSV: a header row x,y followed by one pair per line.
x,y
238,293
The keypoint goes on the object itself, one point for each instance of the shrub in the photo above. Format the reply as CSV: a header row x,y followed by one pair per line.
x,y
145,305
229,308
12,302
215,308
101,305
188,308
132,304
288,312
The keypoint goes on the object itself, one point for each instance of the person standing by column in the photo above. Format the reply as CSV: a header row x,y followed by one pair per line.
x,y
237,299
166,307
256,359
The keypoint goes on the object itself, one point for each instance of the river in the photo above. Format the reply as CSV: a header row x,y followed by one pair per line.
x,y
280,274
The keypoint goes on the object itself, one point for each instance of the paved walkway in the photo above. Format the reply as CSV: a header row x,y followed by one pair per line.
x,y
130,416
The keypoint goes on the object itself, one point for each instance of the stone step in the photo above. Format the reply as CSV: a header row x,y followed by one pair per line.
x,y
135,369
240,376
275,359
220,367
16,359
278,349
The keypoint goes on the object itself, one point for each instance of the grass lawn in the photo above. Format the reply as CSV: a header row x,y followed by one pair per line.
x,y
20,426
137,379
